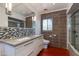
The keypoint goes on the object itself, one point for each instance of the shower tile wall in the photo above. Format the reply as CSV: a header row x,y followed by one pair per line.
x,y
59,28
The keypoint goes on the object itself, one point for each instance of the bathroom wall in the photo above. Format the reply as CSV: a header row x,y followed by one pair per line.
x,y
37,21
59,28
3,18
38,24
7,33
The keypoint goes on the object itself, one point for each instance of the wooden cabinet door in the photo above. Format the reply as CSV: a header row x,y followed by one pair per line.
x,y
28,22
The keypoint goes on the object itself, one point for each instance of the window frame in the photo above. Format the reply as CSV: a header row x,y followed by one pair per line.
x,y
47,24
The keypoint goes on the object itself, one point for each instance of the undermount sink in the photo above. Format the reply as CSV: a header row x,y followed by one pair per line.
x,y
21,39
14,39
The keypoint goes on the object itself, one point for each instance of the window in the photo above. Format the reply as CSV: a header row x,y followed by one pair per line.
x,y
47,24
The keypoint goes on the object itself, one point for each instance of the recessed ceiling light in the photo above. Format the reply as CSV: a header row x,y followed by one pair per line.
x,y
45,9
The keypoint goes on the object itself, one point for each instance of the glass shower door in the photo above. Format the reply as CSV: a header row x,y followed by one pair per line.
x,y
75,30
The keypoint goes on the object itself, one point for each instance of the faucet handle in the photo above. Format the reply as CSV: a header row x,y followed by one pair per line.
x,y
54,35
50,35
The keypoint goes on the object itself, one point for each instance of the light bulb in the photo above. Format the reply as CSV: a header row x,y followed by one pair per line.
x,y
8,7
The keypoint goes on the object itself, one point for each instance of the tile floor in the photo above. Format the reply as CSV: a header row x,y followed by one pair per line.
x,y
54,52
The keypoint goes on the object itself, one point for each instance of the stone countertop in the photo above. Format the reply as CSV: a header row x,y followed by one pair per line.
x,y
19,41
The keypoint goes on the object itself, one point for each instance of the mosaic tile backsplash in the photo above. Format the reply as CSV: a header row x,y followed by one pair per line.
x,y
8,33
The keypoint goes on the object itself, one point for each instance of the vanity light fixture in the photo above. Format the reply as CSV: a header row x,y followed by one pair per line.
x,y
33,16
8,8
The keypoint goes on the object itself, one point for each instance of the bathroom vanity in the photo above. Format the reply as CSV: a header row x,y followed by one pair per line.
x,y
27,46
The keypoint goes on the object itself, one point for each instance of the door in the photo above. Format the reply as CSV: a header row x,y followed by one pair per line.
x,y
77,31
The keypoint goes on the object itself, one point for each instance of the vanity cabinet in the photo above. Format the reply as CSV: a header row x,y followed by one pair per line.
x,y
38,45
28,48
1,49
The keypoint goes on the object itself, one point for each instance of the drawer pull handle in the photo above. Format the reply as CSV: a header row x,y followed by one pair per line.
x,y
30,53
28,43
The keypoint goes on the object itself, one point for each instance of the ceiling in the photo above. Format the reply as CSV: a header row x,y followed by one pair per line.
x,y
21,8
28,8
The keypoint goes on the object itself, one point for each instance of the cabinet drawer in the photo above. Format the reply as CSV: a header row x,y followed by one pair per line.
x,y
25,52
24,44
24,48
